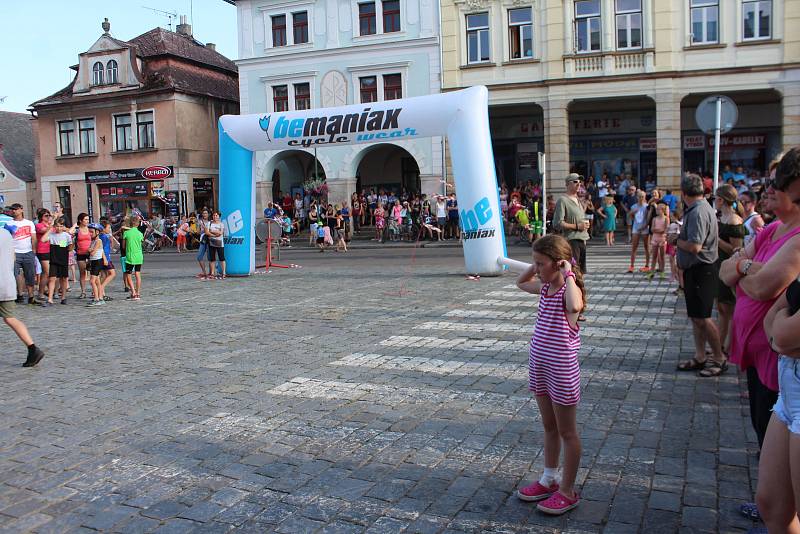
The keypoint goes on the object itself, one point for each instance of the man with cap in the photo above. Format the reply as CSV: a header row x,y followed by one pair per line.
x,y
8,291
569,219
24,245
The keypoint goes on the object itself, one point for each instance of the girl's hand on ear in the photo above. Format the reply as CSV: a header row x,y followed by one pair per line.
x,y
565,267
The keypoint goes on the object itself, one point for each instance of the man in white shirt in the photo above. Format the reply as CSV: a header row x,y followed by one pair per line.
x,y
8,292
24,244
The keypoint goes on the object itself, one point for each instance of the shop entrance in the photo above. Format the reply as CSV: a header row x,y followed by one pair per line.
x,y
293,169
517,138
613,139
388,167
203,189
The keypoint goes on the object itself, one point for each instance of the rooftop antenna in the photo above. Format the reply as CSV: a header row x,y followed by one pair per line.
x,y
3,99
169,14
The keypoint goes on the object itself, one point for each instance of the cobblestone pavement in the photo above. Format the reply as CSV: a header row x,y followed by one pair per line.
x,y
377,391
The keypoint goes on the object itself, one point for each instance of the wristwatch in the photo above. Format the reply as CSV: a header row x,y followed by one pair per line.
x,y
747,265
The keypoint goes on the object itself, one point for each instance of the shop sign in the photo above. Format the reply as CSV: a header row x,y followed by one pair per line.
x,y
694,142
123,190
599,123
203,186
733,141
171,200
614,145
647,144
154,172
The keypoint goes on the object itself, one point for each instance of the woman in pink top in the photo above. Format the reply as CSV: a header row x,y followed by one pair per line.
x,y
82,241
43,226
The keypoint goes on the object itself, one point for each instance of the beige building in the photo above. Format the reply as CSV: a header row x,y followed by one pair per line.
x,y
137,126
611,86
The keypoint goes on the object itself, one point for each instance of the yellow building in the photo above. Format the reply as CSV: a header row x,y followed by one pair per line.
x,y
611,86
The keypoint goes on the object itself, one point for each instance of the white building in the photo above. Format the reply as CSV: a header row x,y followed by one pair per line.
x,y
301,54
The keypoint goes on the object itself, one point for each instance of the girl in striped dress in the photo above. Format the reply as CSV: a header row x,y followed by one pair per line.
x,y
554,374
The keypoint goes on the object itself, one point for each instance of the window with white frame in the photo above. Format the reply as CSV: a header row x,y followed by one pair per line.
x,y
300,27
629,24
391,16
86,136
97,74
368,89
111,71
302,96
520,33
280,98
757,19
478,49
587,25
367,19
392,86
705,21
66,138
145,129
123,132
279,30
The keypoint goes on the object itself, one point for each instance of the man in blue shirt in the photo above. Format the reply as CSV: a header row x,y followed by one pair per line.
x,y
628,201
671,200
270,212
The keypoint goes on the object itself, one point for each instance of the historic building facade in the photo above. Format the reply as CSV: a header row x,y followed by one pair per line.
x,y
301,54
613,85
137,127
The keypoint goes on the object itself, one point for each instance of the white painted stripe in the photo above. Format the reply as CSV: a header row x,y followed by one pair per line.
x,y
435,366
514,328
457,343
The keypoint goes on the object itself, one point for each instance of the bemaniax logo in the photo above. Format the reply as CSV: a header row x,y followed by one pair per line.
x,y
330,129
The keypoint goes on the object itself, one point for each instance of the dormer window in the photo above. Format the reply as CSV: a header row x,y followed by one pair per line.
x,y
97,74
111,71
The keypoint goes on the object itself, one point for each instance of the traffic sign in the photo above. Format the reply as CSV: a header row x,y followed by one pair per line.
x,y
706,114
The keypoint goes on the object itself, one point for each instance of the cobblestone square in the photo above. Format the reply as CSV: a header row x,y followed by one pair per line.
x,y
377,391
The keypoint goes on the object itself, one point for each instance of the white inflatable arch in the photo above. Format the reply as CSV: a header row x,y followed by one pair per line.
x,y
462,116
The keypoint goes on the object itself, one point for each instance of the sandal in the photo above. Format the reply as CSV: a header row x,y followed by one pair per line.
x,y
713,368
691,365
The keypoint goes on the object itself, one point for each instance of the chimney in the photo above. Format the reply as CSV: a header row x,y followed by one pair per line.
x,y
183,28
211,46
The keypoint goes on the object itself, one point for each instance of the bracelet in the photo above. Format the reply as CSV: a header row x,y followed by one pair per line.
x,y
739,271
569,274
747,267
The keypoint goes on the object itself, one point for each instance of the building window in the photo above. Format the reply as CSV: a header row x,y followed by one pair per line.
x,y
477,37
756,17
280,98
302,96
520,33
97,74
392,87
111,71
391,16
279,30
629,24
366,19
86,136
587,25
122,132
300,22
66,138
705,21
369,89
145,129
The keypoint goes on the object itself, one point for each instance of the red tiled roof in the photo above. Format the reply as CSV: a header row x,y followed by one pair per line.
x,y
161,42
194,68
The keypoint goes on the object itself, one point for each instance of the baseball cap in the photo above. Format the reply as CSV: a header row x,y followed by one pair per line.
x,y
16,206
573,177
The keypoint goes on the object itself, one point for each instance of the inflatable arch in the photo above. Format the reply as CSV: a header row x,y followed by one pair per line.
x,y
462,116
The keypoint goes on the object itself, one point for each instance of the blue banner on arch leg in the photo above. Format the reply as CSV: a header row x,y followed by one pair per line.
x,y
237,204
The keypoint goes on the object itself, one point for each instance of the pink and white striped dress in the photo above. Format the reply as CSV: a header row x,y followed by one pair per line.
x,y
553,365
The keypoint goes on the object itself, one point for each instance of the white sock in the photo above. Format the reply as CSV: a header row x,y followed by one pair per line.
x,y
551,474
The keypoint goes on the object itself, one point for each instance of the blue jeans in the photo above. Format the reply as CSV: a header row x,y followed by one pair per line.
x,y
787,409
202,252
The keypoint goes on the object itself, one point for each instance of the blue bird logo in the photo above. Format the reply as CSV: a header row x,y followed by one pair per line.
x,y
263,122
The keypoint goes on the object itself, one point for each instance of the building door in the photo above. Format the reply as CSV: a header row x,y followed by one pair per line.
x,y
647,167
203,189
65,199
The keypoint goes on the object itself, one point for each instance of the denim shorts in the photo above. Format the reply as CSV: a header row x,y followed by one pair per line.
x,y
787,408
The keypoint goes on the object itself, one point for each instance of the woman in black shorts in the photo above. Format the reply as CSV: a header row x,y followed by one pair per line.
x,y
216,245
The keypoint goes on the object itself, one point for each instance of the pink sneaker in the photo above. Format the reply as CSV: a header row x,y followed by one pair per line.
x,y
536,492
558,503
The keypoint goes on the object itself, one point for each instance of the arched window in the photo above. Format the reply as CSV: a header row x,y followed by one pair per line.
x,y
97,74
111,71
